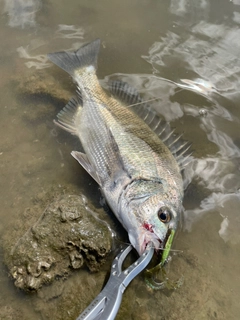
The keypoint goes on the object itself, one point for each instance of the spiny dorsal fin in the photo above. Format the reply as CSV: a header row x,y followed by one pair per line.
x,y
68,117
124,92
130,97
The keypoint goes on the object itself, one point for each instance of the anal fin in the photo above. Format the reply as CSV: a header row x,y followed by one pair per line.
x,y
68,117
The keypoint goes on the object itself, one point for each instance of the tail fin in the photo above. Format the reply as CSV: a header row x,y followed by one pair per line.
x,y
72,61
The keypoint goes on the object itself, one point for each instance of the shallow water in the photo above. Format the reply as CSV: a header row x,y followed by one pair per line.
x,y
153,45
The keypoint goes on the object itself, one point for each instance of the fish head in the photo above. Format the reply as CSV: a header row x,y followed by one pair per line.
x,y
153,220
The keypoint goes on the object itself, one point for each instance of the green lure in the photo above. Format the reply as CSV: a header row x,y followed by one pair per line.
x,y
167,248
159,269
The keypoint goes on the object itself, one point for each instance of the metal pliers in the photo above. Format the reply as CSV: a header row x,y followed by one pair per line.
x,y
105,306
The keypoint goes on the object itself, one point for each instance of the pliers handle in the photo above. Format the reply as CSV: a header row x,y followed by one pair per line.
x,y
105,306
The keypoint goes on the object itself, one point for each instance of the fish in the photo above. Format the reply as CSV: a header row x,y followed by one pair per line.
x,y
137,172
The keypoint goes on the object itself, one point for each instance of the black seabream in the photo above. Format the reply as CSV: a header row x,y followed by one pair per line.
x,y
136,171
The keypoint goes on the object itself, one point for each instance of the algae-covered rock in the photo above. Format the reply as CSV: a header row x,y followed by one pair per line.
x,y
67,236
37,85
40,95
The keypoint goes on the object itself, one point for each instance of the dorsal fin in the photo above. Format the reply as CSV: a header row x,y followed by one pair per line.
x,y
127,95
130,97
124,92
68,117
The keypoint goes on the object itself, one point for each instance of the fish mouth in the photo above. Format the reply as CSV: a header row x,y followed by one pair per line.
x,y
150,236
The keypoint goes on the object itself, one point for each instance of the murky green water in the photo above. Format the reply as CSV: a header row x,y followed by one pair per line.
x,y
153,45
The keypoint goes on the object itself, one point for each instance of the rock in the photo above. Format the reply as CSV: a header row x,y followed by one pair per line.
x,y
67,236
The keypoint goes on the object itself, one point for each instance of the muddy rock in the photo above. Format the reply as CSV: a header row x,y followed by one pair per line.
x,y
67,236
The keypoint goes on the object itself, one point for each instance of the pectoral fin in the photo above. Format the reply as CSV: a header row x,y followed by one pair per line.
x,y
84,162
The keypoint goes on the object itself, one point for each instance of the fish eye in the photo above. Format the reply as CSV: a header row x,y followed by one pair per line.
x,y
164,214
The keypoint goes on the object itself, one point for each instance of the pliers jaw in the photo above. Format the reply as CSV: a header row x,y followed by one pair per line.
x,y
105,306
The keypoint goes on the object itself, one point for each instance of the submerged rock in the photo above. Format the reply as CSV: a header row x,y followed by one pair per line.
x,y
67,236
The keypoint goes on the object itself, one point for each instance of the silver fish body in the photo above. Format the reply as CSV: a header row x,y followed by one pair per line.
x,y
138,175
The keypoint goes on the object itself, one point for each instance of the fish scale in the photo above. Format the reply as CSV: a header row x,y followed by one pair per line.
x,y
103,157
135,154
